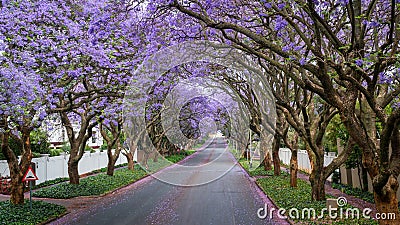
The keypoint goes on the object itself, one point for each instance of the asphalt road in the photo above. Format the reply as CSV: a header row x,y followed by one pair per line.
x,y
212,190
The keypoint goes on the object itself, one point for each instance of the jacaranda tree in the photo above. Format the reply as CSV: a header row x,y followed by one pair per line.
x,y
344,51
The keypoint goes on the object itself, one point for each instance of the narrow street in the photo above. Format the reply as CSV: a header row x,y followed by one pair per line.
x,y
213,190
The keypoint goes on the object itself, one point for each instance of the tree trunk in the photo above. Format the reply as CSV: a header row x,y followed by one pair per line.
x,y
112,158
73,172
364,178
267,162
131,164
293,168
17,170
386,202
17,193
275,156
155,157
17,186
111,166
317,181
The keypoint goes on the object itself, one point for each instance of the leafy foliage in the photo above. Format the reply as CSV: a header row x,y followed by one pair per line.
x,y
41,212
63,179
39,142
93,185
356,192
51,182
55,152
66,147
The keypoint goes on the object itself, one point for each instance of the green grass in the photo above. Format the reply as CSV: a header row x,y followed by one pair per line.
x,y
41,212
166,161
179,157
64,179
258,171
93,185
279,190
285,197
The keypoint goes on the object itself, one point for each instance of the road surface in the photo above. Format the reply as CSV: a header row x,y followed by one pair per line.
x,y
212,190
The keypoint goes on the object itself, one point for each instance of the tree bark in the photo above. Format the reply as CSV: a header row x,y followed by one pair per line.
x,y
275,155
317,181
317,188
266,162
17,186
131,164
155,157
293,168
364,176
112,158
73,172
111,166
386,202
17,190
17,170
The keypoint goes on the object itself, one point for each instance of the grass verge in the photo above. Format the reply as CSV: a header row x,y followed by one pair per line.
x,y
93,185
179,157
299,199
259,171
64,179
356,192
99,184
21,214
285,197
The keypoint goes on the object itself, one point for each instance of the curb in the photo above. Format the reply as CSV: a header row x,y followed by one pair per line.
x,y
275,217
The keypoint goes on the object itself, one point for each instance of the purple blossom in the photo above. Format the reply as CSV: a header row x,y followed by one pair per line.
x,y
281,5
286,48
374,24
280,23
359,62
343,2
302,61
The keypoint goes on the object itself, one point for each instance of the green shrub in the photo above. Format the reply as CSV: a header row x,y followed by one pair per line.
x,y
93,185
88,148
103,147
55,152
41,212
35,155
39,142
66,147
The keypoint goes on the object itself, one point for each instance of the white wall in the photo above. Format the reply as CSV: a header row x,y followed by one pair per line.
x,y
302,158
49,168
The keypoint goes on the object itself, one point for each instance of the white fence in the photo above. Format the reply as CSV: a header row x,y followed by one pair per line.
x,y
302,158
49,168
